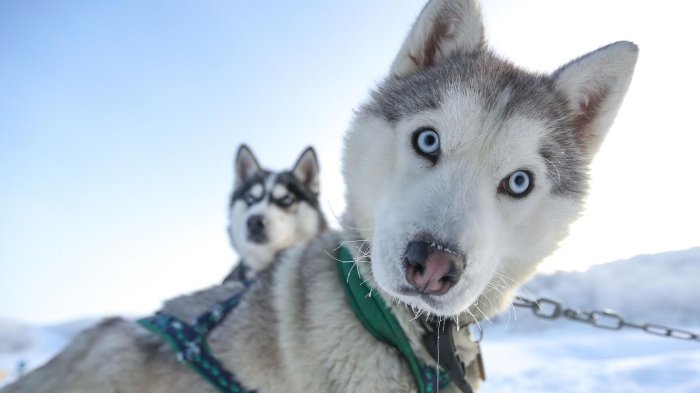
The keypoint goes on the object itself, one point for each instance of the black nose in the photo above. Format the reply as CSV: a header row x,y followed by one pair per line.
x,y
432,268
256,225
416,254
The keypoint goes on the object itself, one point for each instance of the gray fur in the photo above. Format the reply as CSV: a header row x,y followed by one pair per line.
x,y
481,71
293,330
269,211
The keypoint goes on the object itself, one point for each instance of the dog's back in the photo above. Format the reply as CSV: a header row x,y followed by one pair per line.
x,y
462,171
309,341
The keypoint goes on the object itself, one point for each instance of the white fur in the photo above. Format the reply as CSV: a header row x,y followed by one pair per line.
x,y
458,22
603,75
394,195
455,201
284,227
294,331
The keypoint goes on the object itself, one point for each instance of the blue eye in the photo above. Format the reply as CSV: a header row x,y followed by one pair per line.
x,y
249,199
518,184
286,200
426,142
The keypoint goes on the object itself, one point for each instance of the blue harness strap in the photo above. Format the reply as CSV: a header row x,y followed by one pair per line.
x,y
190,343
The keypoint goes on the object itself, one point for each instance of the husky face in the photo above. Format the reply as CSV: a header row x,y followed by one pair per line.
x,y
272,211
464,171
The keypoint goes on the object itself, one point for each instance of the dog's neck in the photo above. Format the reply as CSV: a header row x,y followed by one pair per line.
x,y
422,333
380,321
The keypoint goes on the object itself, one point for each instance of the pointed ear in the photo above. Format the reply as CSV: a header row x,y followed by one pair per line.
x,y
246,166
595,85
443,27
307,170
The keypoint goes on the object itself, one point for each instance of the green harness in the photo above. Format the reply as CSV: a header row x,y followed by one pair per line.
x,y
189,340
379,320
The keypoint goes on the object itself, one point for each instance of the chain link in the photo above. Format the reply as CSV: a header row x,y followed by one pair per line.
x,y
604,319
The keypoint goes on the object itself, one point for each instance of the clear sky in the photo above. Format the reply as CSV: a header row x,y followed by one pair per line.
x,y
119,121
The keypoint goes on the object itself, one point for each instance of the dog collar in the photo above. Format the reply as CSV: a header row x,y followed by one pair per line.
x,y
380,321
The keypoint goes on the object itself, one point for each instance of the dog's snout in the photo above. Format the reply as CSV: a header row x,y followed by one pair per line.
x,y
256,223
256,228
432,268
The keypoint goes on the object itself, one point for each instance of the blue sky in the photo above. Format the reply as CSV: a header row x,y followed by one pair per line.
x,y
119,121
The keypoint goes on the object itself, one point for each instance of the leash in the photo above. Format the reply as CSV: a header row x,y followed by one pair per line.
x,y
190,343
605,319
379,320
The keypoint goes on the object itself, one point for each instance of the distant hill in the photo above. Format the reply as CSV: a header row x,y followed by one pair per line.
x,y
32,345
661,288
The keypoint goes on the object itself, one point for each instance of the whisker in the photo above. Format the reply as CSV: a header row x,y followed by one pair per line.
x,y
340,221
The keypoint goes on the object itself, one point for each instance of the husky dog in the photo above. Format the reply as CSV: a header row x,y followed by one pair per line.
x,y
462,170
272,211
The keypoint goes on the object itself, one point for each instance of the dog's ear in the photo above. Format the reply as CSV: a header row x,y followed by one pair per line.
x,y
595,85
307,170
246,165
443,27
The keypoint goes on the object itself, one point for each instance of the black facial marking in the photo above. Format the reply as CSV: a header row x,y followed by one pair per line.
x,y
241,192
297,189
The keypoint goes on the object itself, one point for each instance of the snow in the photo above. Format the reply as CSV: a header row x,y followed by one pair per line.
x,y
32,345
525,354
583,359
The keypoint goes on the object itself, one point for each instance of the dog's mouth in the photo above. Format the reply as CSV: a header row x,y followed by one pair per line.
x,y
258,238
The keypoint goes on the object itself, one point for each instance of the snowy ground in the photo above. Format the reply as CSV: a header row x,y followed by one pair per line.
x,y
582,359
533,355
32,346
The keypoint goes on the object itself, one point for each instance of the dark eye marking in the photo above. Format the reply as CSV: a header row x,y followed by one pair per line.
x,y
286,201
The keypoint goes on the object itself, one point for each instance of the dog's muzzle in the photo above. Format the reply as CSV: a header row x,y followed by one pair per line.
x,y
256,229
431,267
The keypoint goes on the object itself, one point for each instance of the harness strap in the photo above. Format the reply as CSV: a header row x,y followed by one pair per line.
x,y
379,320
442,348
190,344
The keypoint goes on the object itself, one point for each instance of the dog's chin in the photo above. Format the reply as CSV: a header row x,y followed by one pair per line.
x,y
258,256
447,305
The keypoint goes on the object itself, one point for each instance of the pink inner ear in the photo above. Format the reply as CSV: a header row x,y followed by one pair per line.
x,y
440,32
587,113
305,171
246,166
245,169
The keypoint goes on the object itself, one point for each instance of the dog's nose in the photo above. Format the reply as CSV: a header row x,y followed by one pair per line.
x,y
432,269
256,224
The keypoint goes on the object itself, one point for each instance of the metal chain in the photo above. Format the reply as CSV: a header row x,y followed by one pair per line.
x,y
604,319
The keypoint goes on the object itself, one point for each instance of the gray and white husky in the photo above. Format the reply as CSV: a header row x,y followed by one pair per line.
x,y
461,169
270,211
